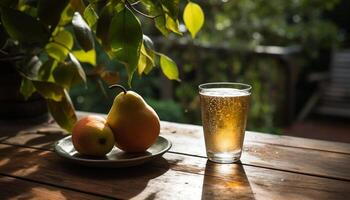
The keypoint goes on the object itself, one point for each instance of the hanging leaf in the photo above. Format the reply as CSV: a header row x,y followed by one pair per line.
x,y
86,57
69,73
49,90
193,17
171,7
169,67
78,67
148,52
29,66
172,25
141,65
103,24
90,15
60,46
23,27
63,111
27,88
45,71
83,32
49,12
66,16
147,42
126,39
155,8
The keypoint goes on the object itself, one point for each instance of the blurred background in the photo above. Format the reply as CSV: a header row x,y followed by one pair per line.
x,y
294,53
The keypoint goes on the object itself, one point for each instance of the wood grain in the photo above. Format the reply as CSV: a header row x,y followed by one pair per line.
x,y
13,188
301,160
195,131
175,177
154,180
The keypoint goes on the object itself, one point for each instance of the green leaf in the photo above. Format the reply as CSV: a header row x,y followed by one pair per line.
x,y
141,65
171,7
49,12
193,17
103,25
150,54
60,46
66,16
49,90
29,67
27,88
146,60
83,32
172,25
147,42
169,67
23,27
79,69
63,111
161,25
64,38
68,74
90,15
45,71
126,39
87,57
155,8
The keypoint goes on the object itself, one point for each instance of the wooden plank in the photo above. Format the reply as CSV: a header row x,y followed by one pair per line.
x,y
21,132
154,180
13,188
195,134
282,157
175,177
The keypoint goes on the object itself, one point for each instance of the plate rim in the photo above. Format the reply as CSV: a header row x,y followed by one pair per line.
x,y
119,161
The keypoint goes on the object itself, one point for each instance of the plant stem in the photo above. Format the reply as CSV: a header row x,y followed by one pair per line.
x,y
118,86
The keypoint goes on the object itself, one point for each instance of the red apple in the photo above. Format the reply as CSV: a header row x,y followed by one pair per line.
x,y
92,136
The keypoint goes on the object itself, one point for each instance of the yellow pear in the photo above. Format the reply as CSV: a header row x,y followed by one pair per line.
x,y
134,123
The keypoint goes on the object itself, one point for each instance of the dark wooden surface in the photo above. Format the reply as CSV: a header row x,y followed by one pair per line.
x,y
272,167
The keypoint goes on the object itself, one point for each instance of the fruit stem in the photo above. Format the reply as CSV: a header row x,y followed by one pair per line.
x,y
118,86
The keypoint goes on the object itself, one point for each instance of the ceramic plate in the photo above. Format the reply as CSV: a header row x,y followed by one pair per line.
x,y
115,158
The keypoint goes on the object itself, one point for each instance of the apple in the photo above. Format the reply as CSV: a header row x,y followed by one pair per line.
x,y
92,136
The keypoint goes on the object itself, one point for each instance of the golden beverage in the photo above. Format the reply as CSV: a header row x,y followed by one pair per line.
x,y
224,116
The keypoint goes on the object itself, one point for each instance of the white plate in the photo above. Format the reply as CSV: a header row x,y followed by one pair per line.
x,y
115,158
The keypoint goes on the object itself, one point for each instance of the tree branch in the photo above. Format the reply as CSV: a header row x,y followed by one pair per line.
x,y
131,7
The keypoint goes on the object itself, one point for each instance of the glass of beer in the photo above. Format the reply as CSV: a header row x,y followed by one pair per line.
x,y
224,108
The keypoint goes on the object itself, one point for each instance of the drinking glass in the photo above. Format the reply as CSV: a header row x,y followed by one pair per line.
x,y
224,108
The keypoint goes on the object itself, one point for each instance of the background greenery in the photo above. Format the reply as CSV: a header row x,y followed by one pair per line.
x,y
44,43
225,51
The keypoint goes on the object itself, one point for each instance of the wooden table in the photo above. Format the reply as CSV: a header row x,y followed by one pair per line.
x,y
272,167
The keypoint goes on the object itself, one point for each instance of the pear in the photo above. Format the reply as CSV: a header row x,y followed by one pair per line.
x,y
134,123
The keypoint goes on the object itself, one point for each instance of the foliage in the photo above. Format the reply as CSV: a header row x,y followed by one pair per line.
x,y
48,41
244,24
224,51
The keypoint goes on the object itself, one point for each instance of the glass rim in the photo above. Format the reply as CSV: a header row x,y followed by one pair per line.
x,y
246,88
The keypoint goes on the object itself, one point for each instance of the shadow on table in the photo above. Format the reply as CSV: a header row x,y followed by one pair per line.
x,y
122,183
46,169
226,181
